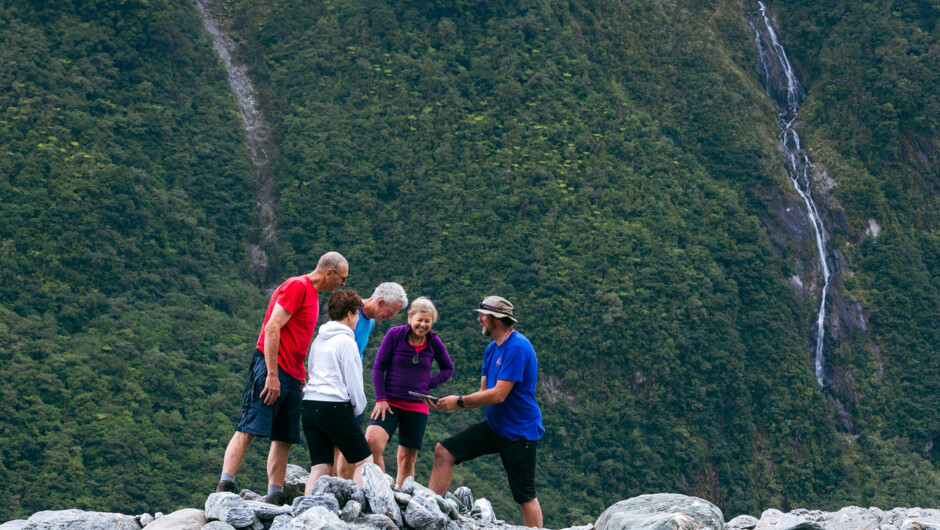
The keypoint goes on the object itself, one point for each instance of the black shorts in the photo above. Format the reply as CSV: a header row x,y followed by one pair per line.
x,y
280,421
332,423
412,425
518,456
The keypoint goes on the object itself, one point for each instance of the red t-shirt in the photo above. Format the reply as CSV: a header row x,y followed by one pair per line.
x,y
298,296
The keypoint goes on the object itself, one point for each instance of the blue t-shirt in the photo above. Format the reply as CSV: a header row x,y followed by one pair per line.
x,y
362,331
518,417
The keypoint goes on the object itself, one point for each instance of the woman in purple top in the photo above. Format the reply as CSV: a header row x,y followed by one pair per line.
x,y
403,365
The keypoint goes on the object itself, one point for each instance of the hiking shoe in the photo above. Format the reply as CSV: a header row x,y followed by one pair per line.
x,y
278,499
225,486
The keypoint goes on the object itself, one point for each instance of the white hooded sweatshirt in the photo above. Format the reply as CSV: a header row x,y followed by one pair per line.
x,y
334,368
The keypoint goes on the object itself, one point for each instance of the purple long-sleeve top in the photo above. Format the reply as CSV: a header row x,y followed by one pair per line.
x,y
394,374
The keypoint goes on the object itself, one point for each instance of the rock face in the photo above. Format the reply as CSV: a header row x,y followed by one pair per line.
x,y
662,511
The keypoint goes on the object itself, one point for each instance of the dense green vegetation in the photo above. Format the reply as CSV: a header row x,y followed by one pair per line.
x,y
607,166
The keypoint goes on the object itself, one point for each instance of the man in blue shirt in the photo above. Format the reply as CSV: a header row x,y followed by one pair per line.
x,y
513,424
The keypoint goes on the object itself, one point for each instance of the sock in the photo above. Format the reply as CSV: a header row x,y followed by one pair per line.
x,y
274,490
227,478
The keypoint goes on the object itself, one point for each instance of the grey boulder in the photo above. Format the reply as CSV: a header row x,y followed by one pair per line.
x,y
229,508
465,496
742,522
351,511
218,525
318,518
379,494
186,519
79,520
423,513
344,490
302,504
483,511
662,511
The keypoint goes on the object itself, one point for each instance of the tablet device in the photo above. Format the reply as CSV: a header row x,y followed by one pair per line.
x,y
423,396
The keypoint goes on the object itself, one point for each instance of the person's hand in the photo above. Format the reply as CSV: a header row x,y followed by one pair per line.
x,y
272,390
381,407
445,404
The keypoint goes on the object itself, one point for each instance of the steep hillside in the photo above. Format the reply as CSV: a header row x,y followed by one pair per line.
x,y
126,208
610,167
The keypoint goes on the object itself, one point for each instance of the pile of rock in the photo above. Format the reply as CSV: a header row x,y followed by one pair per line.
x,y
341,504
337,504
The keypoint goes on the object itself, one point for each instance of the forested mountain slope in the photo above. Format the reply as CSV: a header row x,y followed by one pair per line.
x,y
610,167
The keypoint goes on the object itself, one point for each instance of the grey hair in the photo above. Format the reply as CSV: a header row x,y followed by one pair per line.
x,y
392,293
331,260
423,305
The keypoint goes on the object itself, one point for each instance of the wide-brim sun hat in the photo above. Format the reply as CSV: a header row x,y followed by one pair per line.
x,y
497,306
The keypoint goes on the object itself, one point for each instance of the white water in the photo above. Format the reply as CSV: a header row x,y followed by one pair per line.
x,y
773,58
256,133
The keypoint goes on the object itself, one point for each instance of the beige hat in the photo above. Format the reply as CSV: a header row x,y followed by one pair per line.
x,y
496,306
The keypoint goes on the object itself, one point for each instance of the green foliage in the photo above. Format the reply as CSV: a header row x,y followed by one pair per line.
x,y
604,165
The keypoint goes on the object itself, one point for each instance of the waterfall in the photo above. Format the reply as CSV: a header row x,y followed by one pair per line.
x,y
256,140
782,86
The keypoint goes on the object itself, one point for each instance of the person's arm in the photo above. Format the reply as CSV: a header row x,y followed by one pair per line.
x,y
272,341
382,360
351,366
483,398
444,364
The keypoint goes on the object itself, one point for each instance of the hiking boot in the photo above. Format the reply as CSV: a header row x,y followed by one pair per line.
x,y
278,499
225,486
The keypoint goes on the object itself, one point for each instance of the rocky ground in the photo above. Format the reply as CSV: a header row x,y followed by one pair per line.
x,y
338,504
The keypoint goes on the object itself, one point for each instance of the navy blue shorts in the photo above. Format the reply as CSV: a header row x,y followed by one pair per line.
x,y
518,456
410,425
280,421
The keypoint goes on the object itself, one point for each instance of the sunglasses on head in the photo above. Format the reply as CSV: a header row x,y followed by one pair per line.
x,y
493,307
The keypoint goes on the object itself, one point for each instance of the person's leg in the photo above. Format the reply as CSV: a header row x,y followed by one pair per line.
x,y
357,474
476,440
442,471
377,439
277,462
319,444
532,513
406,464
235,452
411,427
316,472
343,468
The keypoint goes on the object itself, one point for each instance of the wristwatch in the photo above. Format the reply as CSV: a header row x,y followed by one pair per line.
x,y
460,402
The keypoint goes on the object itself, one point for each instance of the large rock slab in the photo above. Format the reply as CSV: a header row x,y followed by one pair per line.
x,y
15,524
318,518
229,508
662,511
379,494
79,520
423,513
186,519
304,503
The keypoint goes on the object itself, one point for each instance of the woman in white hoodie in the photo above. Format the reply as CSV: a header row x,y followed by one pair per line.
x,y
333,395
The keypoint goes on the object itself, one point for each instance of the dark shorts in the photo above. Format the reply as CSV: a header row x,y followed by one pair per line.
x,y
331,423
411,425
518,456
280,421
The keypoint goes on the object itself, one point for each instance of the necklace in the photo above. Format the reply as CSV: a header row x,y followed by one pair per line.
x,y
416,359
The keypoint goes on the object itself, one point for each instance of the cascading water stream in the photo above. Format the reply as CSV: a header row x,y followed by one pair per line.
x,y
782,86
257,138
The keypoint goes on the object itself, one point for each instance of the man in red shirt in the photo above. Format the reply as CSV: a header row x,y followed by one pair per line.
x,y
271,406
